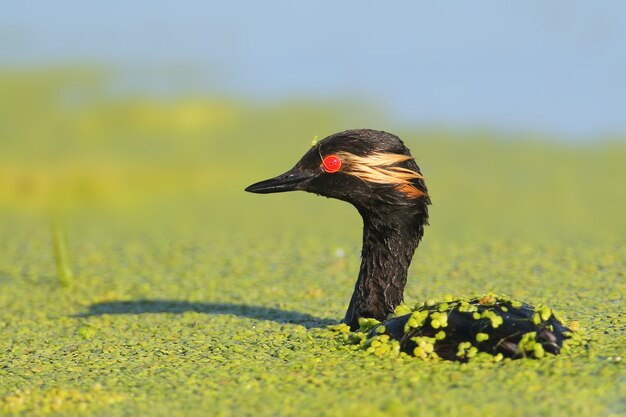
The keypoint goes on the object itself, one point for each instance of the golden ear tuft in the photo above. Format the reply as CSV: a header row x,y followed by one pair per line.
x,y
381,168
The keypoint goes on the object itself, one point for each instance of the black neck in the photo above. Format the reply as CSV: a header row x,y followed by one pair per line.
x,y
390,238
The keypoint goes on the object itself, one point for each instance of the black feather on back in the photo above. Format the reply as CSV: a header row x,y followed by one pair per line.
x,y
459,329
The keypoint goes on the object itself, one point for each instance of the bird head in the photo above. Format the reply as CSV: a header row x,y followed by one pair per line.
x,y
368,168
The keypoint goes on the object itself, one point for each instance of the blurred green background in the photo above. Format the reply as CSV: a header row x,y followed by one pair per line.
x,y
513,112
70,143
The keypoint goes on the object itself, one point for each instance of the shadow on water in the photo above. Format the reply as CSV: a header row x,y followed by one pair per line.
x,y
178,307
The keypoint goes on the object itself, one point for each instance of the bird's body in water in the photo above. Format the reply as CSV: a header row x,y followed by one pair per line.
x,y
375,172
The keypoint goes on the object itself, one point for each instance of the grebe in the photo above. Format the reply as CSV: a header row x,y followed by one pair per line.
x,y
375,172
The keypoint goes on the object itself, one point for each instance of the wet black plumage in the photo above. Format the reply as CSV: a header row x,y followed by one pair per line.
x,y
380,178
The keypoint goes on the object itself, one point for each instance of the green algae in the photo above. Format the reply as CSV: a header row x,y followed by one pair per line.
x,y
57,400
226,343
425,332
222,309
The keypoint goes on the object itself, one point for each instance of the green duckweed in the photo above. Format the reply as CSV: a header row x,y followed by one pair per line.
x,y
481,337
431,318
223,309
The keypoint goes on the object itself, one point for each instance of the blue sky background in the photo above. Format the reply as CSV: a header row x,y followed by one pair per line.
x,y
555,67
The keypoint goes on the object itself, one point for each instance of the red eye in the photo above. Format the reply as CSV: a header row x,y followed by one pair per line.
x,y
331,164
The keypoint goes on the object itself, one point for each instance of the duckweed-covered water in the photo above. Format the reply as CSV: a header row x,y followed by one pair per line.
x,y
237,326
193,298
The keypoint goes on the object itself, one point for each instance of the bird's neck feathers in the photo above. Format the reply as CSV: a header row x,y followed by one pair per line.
x,y
390,237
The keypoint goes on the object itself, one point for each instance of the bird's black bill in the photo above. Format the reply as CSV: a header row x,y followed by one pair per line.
x,y
289,181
